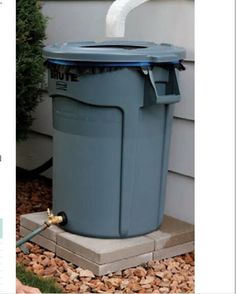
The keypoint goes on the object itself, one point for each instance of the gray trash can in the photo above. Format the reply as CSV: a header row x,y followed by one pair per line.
x,y
112,112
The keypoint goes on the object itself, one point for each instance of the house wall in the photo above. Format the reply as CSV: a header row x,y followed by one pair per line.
x,y
166,21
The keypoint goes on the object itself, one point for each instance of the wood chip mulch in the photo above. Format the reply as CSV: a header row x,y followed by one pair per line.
x,y
172,275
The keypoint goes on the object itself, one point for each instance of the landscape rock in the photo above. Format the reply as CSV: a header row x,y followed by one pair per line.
x,y
171,275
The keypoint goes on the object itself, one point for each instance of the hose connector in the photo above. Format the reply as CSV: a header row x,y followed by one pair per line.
x,y
53,219
60,218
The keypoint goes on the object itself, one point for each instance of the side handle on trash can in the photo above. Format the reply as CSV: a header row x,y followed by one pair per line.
x,y
151,96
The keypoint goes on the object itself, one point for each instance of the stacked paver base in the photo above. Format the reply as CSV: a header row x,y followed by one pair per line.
x,y
103,256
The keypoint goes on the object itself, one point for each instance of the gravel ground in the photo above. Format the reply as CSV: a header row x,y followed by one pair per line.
x,y
172,275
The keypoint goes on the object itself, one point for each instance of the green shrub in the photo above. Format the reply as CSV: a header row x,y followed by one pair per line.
x,y
30,33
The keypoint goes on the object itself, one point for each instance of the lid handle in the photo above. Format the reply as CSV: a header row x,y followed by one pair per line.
x,y
151,96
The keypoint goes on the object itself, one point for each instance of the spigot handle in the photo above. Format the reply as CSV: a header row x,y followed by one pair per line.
x,y
49,213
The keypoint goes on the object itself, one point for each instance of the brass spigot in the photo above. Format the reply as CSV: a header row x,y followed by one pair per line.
x,y
53,219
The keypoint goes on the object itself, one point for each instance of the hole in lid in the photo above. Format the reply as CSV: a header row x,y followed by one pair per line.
x,y
127,47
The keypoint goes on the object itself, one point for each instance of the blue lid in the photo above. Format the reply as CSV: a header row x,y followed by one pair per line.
x,y
114,52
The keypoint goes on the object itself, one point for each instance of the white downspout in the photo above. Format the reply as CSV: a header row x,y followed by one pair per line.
x,y
116,16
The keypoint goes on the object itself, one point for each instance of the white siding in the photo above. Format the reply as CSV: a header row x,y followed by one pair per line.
x,y
185,108
182,147
169,21
179,197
